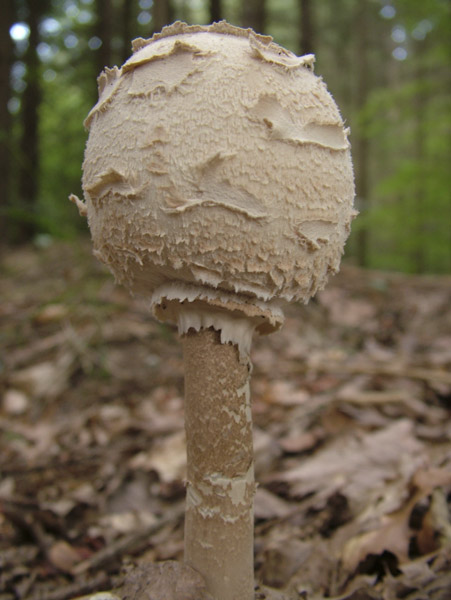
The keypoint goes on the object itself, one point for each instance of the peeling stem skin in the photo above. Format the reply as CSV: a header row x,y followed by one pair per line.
x,y
219,523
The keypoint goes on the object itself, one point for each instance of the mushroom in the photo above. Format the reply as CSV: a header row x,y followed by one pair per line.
x,y
218,183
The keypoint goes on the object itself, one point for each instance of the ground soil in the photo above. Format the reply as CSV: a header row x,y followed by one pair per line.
x,y
351,405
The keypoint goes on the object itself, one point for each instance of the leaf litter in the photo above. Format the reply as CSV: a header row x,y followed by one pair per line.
x,y
351,405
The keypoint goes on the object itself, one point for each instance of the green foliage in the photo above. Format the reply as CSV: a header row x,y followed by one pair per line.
x,y
409,126
62,142
405,120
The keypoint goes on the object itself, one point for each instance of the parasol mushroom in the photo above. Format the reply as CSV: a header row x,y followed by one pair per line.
x,y
218,183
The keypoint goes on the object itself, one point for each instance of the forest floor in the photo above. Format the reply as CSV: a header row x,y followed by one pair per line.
x,y
351,405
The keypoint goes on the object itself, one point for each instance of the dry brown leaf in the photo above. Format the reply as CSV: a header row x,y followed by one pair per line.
x,y
269,506
98,596
282,559
263,592
436,524
266,451
63,556
46,379
428,479
126,522
393,535
300,441
285,393
168,458
164,581
51,313
346,311
15,402
359,466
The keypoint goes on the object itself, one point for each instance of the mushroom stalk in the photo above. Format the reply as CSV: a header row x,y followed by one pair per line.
x,y
220,479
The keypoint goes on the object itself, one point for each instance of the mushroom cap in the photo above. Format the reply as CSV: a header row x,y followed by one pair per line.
x,y
218,159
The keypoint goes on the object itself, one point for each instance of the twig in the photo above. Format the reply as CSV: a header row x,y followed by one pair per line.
x,y
392,370
26,520
22,355
126,543
22,467
72,590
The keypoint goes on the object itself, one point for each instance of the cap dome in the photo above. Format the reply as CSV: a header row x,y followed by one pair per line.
x,y
217,158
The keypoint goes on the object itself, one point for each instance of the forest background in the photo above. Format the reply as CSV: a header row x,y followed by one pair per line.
x,y
351,400
386,62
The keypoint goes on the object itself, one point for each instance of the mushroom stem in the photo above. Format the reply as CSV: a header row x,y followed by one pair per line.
x,y
220,480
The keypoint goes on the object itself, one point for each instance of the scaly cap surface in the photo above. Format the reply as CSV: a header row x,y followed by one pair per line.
x,y
217,160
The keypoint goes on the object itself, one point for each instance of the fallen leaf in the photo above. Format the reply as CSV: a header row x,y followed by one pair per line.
x,y
168,458
266,451
98,596
393,536
358,466
63,556
51,313
346,311
301,441
282,558
394,532
164,581
126,522
46,379
15,402
269,506
285,393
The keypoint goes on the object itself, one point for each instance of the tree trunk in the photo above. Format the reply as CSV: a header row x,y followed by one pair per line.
x,y
162,14
6,57
215,11
126,22
306,28
29,143
361,144
104,31
254,15
219,522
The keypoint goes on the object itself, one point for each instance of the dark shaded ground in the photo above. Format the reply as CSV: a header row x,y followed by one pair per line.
x,y
351,404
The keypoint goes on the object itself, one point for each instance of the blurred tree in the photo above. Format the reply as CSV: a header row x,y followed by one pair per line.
x,y
408,123
104,31
29,167
306,27
69,71
254,15
385,61
215,11
162,14
126,28
361,142
6,58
